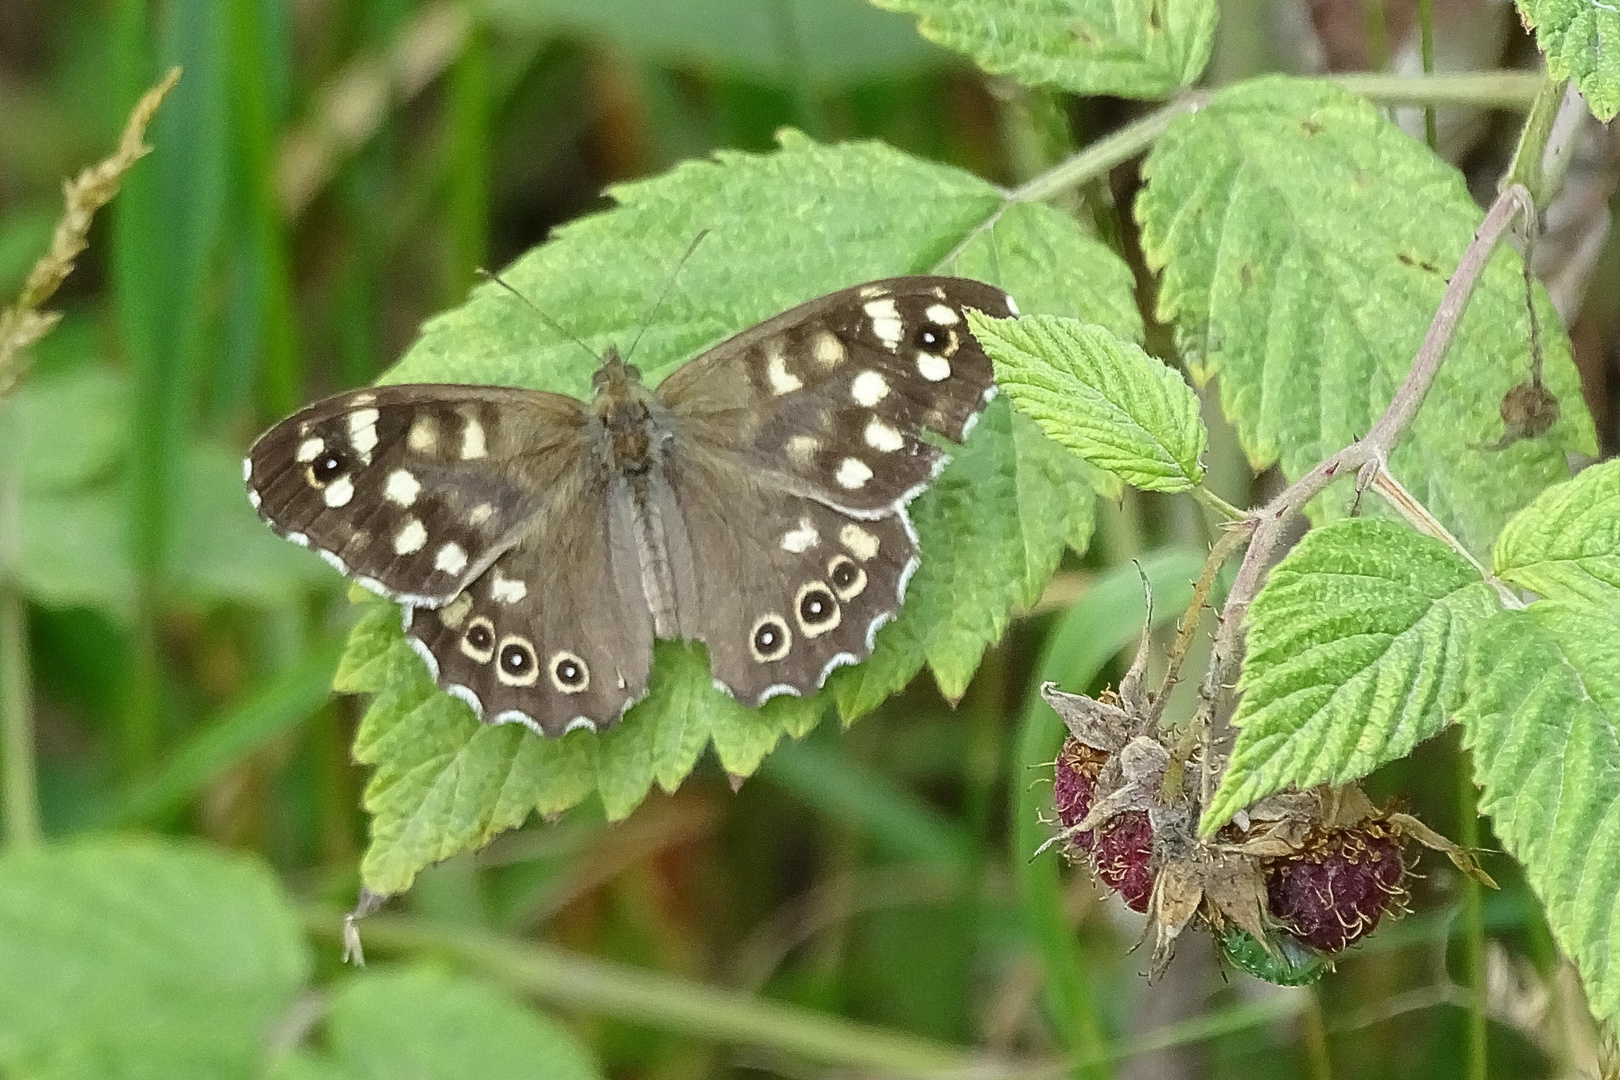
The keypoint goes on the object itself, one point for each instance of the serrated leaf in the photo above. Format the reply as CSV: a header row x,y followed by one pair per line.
x,y
1355,650
828,42
428,1023
1104,398
1581,39
1135,48
137,959
846,213
1566,544
1029,498
1541,713
1305,243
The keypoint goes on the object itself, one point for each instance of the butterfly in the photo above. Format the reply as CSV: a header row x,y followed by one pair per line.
x,y
754,500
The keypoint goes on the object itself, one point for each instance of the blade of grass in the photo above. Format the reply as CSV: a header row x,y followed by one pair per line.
x,y
21,803
1101,623
844,789
283,703
469,113
1426,45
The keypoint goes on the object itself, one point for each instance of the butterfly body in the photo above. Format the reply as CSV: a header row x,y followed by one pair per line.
x,y
754,500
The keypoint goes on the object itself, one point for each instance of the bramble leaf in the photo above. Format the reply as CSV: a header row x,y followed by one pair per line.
x,y
846,213
1541,713
1355,655
1566,544
1138,48
122,959
1105,399
1297,269
1581,39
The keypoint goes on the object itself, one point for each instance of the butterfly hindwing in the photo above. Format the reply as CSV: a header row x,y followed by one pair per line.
x,y
833,396
549,636
806,586
413,489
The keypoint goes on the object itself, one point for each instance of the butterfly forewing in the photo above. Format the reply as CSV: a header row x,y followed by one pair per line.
x,y
833,396
413,490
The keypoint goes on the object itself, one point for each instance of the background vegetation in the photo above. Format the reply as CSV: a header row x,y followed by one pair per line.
x,y
328,175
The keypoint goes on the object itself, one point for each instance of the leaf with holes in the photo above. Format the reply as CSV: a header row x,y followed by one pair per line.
x,y
1355,655
1541,714
1566,544
1581,39
1105,399
443,783
1138,48
1296,269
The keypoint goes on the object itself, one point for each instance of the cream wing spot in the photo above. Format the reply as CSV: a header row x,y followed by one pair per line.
x,y
402,487
472,440
451,558
933,368
480,514
861,544
1012,306
801,450
456,611
507,590
802,539
882,437
363,433
853,473
338,492
411,537
886,322
782,380
827,349
424,435
942,315
309,449
868,389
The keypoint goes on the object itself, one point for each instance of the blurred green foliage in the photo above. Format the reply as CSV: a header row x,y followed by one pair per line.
x,y
327,177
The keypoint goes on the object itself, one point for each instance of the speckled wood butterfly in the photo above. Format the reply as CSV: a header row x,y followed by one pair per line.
x,y
754,500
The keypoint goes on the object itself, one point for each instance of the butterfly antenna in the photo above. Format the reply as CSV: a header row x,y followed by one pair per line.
x,y
668,285
532,306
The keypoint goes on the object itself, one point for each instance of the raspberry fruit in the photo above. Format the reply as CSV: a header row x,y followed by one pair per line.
x,y
1123,851
1074,786
1333,891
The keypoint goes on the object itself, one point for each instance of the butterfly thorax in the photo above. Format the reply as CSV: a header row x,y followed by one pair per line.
x,y
623,406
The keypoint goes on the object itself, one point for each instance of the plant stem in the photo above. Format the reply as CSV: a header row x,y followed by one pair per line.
x,y
1426,42
1473,921
21,802
1375,446
665,1001
1486,89
1218,504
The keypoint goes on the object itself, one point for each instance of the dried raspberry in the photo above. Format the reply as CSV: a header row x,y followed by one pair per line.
x,y
1334,890
1074,784
1123,851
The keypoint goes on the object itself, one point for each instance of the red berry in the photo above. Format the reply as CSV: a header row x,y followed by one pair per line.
x,y
1334,890
1123,852
1074,784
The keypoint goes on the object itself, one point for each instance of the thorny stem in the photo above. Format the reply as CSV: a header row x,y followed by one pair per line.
x,y
1272,520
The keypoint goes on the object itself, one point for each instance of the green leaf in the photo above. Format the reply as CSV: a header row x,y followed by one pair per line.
x,y
89,403
427,1023
1105,399
1139,48
138,959
1541,714
1566,544
991,529
829,42
1305,243
1579,38
1355,655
